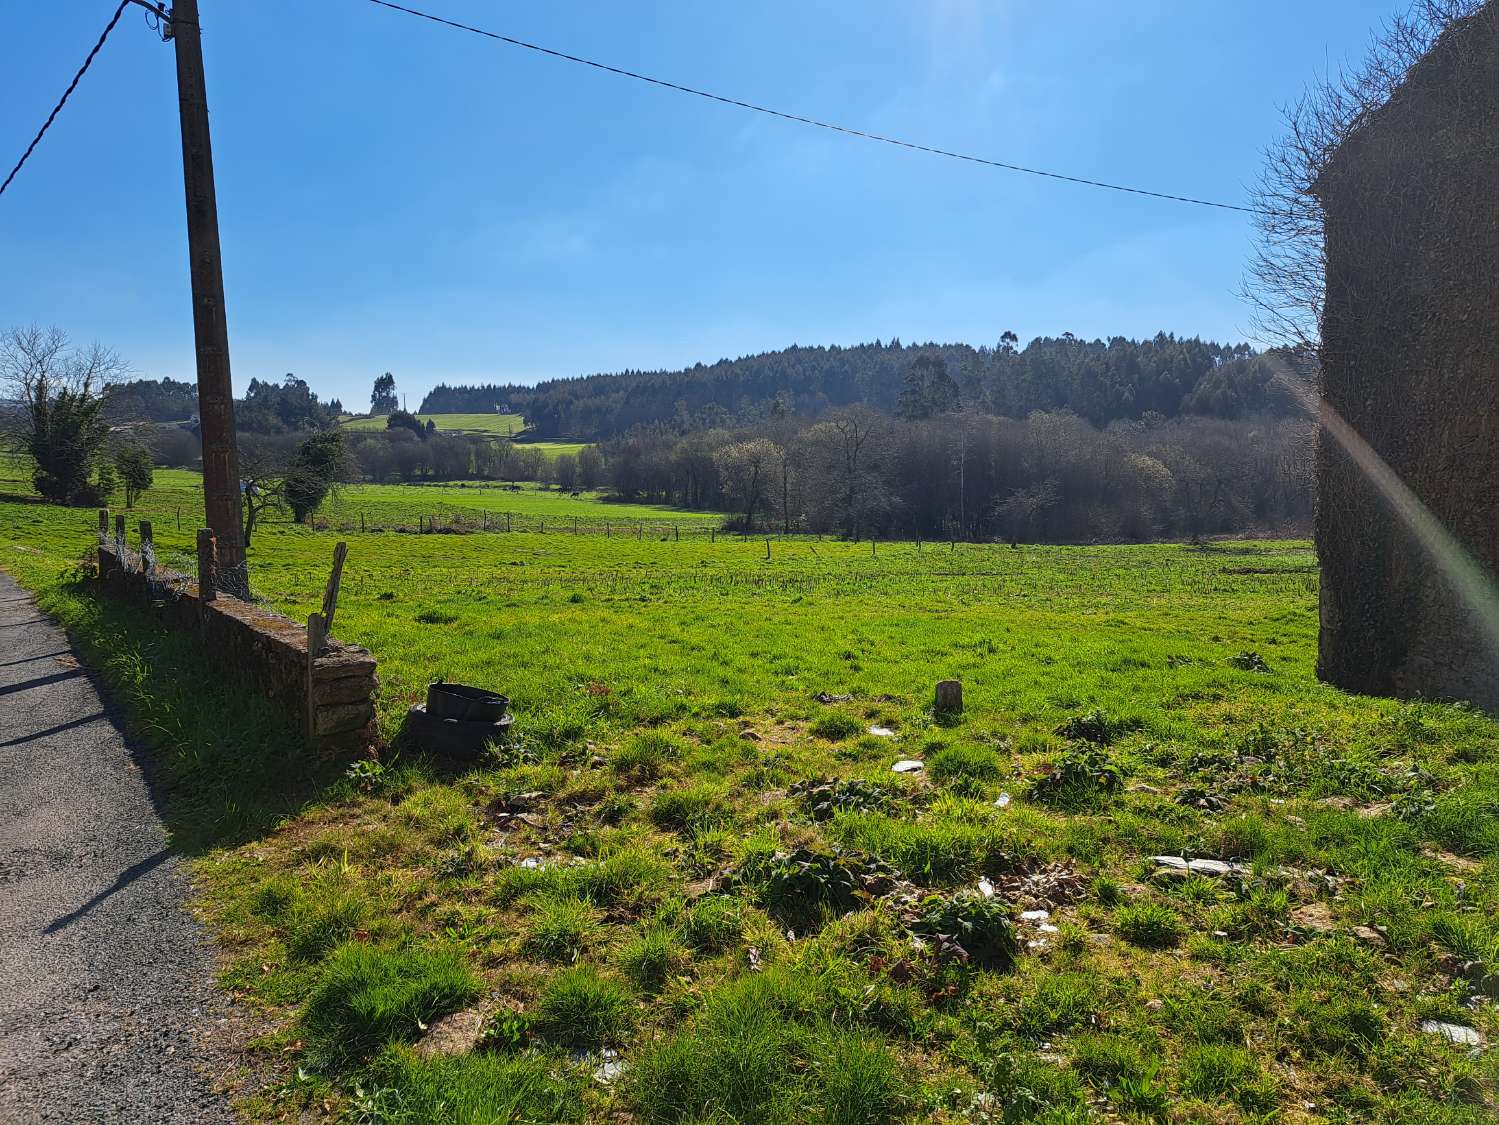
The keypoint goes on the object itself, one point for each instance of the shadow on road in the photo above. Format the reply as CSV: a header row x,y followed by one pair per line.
x,y
122,880
41,681
58,729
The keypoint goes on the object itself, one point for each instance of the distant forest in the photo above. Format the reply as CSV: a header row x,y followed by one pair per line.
x,y
288,406
1100,381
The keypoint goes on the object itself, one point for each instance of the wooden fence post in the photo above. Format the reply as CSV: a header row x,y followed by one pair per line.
x,y
103,524
120,533
208,565
330,591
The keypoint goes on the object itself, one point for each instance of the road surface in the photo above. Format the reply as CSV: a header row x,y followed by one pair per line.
x,y
107,1005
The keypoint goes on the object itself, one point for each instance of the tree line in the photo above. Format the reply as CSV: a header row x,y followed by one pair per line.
x,y
1102,381
1050,477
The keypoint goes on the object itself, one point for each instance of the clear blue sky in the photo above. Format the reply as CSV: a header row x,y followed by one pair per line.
x,y
397,196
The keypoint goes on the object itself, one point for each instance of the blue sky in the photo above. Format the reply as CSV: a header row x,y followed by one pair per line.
x,y
397,196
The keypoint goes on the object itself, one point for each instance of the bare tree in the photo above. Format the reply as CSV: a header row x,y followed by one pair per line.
x,y
745,469
1287,271
59,421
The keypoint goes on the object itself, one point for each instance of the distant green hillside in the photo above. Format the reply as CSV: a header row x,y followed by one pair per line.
x,y
511,424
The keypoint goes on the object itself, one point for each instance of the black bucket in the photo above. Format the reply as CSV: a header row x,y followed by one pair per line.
x,y
467,704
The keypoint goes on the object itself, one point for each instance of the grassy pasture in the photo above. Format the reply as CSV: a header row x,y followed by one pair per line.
x,y
449,423
688,859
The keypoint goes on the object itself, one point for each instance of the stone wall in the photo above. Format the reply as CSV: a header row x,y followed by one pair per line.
x,y
268,646
1410,360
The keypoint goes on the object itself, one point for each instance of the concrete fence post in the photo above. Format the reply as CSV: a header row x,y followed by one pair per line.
x,y
949,697
208,565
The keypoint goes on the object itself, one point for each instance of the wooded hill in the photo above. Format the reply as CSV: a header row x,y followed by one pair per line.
x,y
1102,381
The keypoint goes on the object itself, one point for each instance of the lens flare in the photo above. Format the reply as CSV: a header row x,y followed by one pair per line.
x,y
1466,575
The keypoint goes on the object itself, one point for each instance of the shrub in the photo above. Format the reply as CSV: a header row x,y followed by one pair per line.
x,y
1148,924
370,996
581,1008
824,799
803,884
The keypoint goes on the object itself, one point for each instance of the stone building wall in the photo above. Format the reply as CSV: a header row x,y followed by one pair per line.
x,y
272,649
1411,362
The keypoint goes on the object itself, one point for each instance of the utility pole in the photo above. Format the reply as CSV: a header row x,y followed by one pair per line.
x,y
221,496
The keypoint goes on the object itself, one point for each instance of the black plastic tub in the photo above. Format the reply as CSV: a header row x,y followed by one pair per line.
x,y
454,737
466,704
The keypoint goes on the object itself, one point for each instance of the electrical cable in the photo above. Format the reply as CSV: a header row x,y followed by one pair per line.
x,y
66,94
810,121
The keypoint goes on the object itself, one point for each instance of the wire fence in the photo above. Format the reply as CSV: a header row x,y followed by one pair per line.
x,y
451,519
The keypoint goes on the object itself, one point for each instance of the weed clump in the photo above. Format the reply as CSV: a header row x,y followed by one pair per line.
x,y
581,1008
964,762
561,928
1096,726
978,929
1083,773
644,757
1148,924
649,959
371,996
836,727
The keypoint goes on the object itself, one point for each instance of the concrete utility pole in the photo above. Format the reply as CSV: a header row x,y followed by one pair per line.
x,y
221,497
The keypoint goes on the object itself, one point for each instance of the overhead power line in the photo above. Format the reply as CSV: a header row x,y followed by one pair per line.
x,y
812,121
66,94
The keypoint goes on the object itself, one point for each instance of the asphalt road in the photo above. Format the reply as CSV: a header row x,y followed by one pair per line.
x,y
107,1007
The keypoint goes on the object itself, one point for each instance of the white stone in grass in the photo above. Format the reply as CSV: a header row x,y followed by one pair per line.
x,y
882,732
1454,1033
1213,867
1034,915
610,1068
986,888
1002,801
907,765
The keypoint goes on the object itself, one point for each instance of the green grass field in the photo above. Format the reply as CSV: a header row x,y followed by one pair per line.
x,y
450,423
692,890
